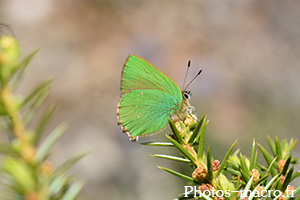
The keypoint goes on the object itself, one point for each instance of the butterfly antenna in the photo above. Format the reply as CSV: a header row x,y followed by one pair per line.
x,y
186,73
193,79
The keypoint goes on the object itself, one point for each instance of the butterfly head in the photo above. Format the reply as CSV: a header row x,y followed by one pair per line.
x,y
186,95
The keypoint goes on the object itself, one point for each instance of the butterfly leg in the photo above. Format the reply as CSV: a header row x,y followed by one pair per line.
x,y
192,112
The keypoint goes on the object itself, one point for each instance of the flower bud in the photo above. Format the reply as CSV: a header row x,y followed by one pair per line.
x,y
290,190
255,174
281,196
199,173
47,168
206,187
28,153
33,195
282,178
281,164
215,165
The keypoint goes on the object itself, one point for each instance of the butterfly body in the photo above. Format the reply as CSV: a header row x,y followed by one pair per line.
x,y
184,107
148,99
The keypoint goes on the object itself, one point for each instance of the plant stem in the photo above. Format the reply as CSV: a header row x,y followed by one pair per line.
x,y
12,112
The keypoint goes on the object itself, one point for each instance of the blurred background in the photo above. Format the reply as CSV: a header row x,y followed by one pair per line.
x,y
250,86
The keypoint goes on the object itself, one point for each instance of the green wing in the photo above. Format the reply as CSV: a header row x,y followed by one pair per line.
x,y
143,112
138,73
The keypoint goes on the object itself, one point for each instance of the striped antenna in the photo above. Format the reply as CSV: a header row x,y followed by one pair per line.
x,y
186,73
193,79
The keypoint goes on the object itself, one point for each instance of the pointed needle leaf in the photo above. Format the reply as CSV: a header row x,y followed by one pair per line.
x,y
246,176
196,130
252,194
233,171
183,151
73,191
35,104
263,178
166,144
263,168
57,184
270,168
243,165
68,164
224,162
171,158
200,139
295,175
209,165
238,183
36,92
253,155
287,179
247,188
44,120
45,147
176,132
187,178
286,165
291,147
278,149
268,158
24,64
271,145
271,182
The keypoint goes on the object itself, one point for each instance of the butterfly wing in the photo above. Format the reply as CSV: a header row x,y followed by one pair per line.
x,y
143,112
138,73
148,97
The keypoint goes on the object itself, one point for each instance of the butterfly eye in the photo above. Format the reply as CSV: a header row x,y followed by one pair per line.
x,y
186,95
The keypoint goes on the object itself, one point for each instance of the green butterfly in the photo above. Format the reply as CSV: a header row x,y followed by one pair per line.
x,y
148,99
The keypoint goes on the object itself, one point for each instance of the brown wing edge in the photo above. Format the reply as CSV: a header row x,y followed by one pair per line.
x,y
121,78
136,138
124,130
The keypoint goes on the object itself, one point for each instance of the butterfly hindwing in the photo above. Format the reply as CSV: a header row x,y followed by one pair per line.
x,y
143,112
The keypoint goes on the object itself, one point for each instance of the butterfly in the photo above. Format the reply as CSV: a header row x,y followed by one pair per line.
x,y
149,98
